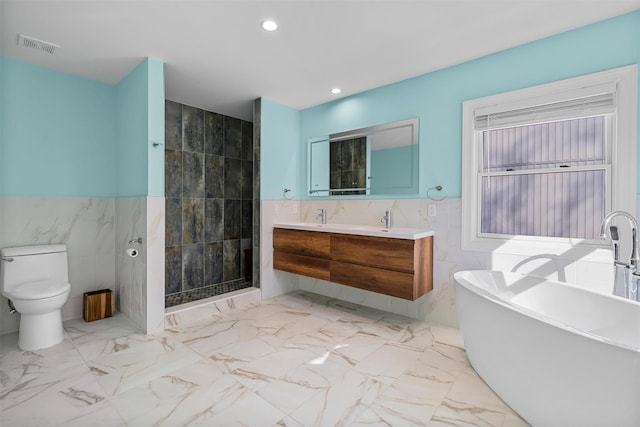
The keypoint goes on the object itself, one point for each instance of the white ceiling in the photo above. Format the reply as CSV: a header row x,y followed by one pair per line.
x,y
218,58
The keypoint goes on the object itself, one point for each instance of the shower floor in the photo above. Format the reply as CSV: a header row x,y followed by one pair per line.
x,y
204,292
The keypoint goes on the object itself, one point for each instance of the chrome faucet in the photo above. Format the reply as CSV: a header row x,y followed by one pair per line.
x,y
322,216
626,283
386,219
634,258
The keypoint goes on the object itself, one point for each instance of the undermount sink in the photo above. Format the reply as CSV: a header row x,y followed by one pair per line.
x,y
364,230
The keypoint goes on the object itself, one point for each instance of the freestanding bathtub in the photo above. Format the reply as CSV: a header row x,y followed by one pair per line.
x,y
559,355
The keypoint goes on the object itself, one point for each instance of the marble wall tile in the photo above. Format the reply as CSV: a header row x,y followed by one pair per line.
x,y
173,125
96,232
439,305
173,269
232,219
193,182
173,228
192,221
213,263
214,220
132,273
173,173
192,266
85,225
231,257
131,218
155,259
232,178
193,129
213,133
232,137
214,176
272,282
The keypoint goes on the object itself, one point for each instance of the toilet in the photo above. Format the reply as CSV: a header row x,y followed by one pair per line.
x,y
36,281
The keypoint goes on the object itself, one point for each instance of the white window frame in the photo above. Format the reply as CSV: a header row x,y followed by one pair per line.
x,y
623,147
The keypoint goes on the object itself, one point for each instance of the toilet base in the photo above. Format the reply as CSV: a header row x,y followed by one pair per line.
x,y
39,331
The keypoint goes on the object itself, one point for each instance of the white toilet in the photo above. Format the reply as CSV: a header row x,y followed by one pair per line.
x,y
36,281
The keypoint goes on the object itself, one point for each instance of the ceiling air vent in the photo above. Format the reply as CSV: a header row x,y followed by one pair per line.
x,y
32,43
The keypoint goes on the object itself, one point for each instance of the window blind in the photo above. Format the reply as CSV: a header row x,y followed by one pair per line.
x,y
586,102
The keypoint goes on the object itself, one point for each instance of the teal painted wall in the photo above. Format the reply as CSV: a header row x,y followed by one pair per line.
x,y
58,133
3,135
140,123
63,135
280,147
132,94
436,98
155,185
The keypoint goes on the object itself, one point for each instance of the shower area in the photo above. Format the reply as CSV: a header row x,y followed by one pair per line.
x,y
209,196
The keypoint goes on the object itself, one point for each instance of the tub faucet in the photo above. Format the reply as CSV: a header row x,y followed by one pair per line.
x,y
322,216
386,219
634,258
626,276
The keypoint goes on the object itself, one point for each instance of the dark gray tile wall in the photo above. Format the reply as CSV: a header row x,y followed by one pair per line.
x,y
209,191
257,117
348,164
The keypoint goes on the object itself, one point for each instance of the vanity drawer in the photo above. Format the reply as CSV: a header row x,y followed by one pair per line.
x,y
400,268
393,254
302,242
395,283
301,264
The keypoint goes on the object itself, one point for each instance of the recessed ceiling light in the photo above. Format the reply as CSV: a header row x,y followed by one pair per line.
x,y
269,25
336,90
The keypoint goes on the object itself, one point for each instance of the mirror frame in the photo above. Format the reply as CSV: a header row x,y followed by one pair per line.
x,y
413,123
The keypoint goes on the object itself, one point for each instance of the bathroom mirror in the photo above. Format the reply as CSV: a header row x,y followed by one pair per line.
x,y
378,160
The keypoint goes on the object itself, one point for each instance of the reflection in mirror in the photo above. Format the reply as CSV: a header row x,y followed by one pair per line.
x,y
379,160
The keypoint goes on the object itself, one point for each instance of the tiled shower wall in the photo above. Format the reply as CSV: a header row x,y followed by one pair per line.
x,y
348,165
209,197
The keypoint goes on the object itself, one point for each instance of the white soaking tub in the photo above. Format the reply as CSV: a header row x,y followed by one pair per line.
x,y
558,354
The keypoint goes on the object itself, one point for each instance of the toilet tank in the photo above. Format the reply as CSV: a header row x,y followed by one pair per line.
x,y
33,264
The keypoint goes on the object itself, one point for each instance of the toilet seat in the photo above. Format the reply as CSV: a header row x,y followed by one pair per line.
x,y
39,290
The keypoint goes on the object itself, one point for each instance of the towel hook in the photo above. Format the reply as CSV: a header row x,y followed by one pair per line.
x,y
436,188
284,194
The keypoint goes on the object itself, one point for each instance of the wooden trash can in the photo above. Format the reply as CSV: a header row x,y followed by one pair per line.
x,y
98,305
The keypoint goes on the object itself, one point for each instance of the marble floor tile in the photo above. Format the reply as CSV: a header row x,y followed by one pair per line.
x,y
132,368
55,401
185,380
340,404
295,360
387,363
224,402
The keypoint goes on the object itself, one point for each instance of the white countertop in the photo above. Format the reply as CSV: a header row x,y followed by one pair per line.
x,y
361,230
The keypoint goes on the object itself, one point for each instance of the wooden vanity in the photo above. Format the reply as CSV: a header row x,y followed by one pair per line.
x,y
399,267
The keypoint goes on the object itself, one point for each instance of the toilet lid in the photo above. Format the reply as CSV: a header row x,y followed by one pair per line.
x,y
39,290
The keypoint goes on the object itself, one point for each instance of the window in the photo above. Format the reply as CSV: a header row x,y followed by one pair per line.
x,y
544,165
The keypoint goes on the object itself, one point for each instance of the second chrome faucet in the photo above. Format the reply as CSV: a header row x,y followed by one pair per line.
x,y
386,219
322,216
